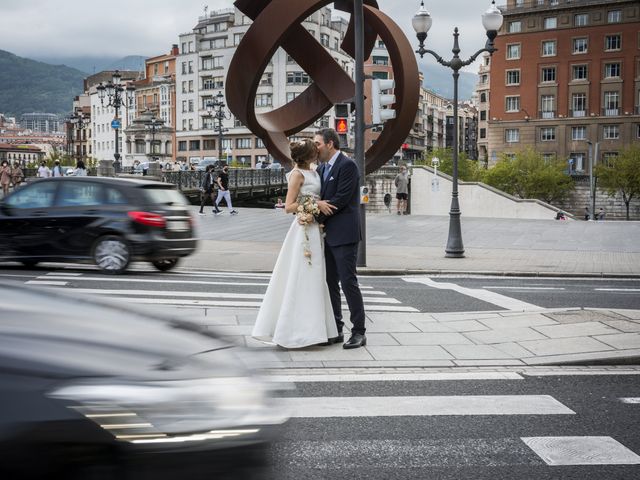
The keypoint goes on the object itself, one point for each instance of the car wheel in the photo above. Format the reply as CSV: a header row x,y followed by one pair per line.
x,y
165,264
112,254
29,263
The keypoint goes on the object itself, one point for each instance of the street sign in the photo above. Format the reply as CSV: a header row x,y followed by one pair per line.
x,y
115,124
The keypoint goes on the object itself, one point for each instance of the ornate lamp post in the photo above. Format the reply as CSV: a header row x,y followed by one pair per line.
x,y
116,96
153,126
216,110
492,21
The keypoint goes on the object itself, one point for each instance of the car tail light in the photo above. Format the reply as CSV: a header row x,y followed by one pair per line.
x,y
146,218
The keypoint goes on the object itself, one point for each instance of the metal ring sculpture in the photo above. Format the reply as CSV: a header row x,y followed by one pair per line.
x,y
278,23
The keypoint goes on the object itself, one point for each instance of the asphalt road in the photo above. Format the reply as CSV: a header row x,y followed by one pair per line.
x,y
456,446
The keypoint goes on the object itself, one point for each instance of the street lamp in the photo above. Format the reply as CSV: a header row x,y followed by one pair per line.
x,y
117,96
154,125
593,157
215,109
422,21
78,123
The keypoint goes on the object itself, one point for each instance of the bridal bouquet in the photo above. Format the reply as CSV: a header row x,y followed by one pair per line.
x,y
307,210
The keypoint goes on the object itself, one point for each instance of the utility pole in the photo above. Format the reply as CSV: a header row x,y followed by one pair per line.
x,y
358,15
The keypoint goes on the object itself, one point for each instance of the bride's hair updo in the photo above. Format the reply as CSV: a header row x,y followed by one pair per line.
x,y
303,151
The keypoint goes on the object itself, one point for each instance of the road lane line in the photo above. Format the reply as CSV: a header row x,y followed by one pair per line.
x,y
630,400
325,407
484,295
492,287
46,282
395,377
617,289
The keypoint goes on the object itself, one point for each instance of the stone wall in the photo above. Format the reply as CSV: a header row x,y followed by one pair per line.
x,y
380,184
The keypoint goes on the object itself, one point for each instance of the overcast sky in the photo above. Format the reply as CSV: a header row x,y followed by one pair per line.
x,y
117,28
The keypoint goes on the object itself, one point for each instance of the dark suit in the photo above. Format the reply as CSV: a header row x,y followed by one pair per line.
x,y
341,189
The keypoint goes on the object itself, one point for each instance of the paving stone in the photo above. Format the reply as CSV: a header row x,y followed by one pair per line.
x,y
476,352
467,326
431,339
517,321
632,314
621,341
333,352
376,317
627,326
432,327
396,364
513,349
390,326
454,317
408,353
580,316
487,363
503,335
560,346
586,329
380,339
582,357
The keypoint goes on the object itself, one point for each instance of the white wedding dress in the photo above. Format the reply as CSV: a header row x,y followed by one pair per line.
x,y
296,310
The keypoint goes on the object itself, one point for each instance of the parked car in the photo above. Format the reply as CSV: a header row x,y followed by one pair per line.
x,y
105,220
92,390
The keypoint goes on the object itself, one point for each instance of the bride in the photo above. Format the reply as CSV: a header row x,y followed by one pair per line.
x,y
296,310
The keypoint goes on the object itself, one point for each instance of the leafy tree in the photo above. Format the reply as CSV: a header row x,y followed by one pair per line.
x,y
622,174
468,170
528,175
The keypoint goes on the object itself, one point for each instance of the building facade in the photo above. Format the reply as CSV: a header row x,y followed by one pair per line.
x,y
481,99
42,122
566,76
467,129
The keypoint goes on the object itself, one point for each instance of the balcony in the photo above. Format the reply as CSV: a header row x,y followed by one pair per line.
x,y
547,114
611,112
578,113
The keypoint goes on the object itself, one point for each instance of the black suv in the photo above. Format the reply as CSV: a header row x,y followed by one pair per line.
x,y
106,220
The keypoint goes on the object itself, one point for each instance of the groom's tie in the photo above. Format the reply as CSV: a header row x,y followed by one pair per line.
x,y
325,172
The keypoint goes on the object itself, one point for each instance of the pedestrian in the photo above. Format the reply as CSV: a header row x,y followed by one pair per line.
x,y
279,204
402,190
207,190
259,165
183,166
5,177
17,175
601,214
81,169
587,213
560,215
57,169
43,170
223,191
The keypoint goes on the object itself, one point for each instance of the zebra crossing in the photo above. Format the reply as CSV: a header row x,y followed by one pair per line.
x,y
188,288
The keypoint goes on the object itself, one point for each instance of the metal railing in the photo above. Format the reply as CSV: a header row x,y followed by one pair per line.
x,y
242,178
547,114
578,113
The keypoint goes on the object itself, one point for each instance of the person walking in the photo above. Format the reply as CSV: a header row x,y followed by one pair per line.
x,y
402,190
5,177
207,190
223,191
601,214
57,169
340,207
587,213
17,175
43,170
81,169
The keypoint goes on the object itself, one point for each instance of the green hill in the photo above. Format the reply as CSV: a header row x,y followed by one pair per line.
x,y
30,86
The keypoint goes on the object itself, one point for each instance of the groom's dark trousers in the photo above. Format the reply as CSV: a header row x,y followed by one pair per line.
x,y
341,188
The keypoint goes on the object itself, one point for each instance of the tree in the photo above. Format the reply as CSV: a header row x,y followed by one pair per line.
x,y
468,170
529,175
622,174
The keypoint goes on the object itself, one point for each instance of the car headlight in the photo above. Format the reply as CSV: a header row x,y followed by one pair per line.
x,y
172,410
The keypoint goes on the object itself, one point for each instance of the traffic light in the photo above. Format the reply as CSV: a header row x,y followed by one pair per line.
x,y
364,195
342,125
380,100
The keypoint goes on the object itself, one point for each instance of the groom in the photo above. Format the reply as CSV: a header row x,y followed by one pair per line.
x,y
340,207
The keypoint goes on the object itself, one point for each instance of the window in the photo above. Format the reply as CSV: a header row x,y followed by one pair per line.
x,y
483,133
380,75
581,19
611,132
291,96
512,104
608,158
548,157
512,135
611,103
483,115
298,78
547,103
580,45
513,77
547,134
484,79
237,38
191,105
324,39
611,70
264,100
267,79
483,97
612,42
379,60
140,146
513,51
614,16
208,144
549,74
260,143
194,145
38,195
579,72
550,22
638,130
549,48
243,143
213,83
227,143
579,133
576,162
579,104
515,27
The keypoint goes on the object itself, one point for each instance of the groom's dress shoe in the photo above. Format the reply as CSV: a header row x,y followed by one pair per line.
x,y
332,340
356,340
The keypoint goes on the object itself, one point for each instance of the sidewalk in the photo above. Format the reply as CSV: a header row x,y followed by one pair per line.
x,y
407,244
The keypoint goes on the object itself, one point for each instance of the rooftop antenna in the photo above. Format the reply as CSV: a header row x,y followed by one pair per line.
x,y
206,9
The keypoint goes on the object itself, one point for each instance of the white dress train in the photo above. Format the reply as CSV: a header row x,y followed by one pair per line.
x,y
296,311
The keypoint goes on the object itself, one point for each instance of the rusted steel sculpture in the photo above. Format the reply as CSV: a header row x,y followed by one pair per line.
x,y
278,23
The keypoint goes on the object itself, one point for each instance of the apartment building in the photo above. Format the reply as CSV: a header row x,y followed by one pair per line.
x,y
481,99
566,74
42,122
201,71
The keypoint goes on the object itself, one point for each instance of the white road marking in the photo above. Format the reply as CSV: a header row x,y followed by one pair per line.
x,y
617,289
45,282
484,295
522,288
165,281
581,451
630,400
326,407
66,274
393,377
